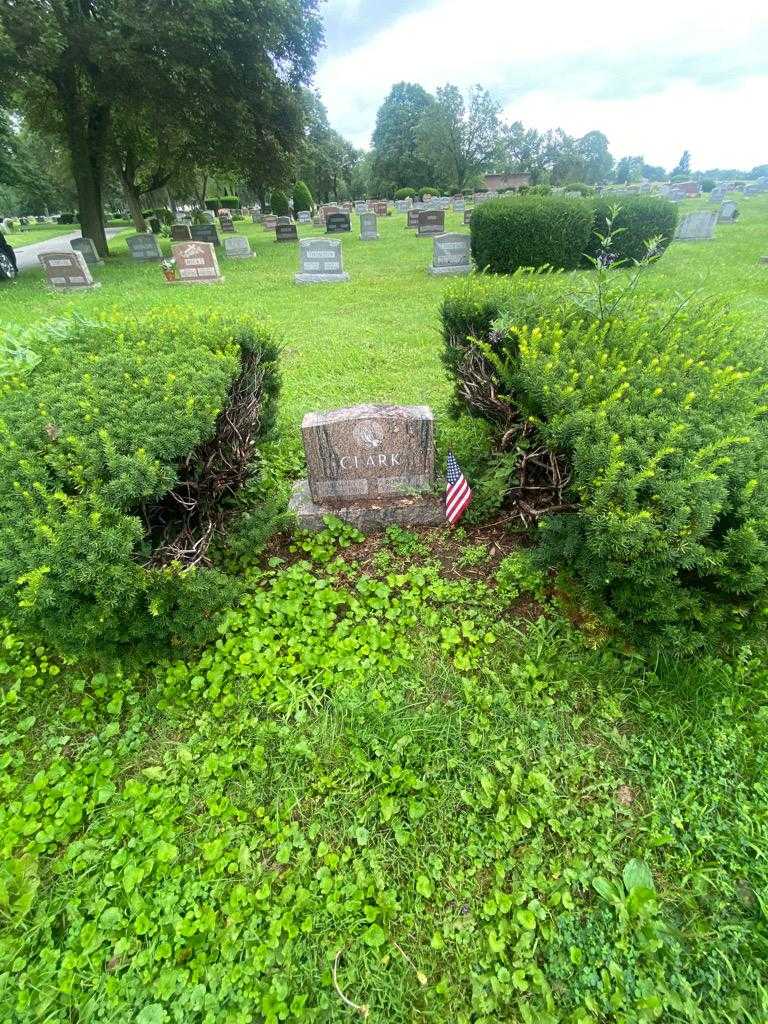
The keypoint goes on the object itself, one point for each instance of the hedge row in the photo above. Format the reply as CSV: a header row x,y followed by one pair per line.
x,y
660,417
534,231
93,442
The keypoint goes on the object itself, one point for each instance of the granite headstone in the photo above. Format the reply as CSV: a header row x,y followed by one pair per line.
x,y
450,254
698,226
87,250
335,223
237,247
144,247
431,222
205,233
196,263
368,227
321,262
67,271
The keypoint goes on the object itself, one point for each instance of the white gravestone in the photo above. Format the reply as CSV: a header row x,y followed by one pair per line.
x,y
196,263
450,254
237,247
67,271
696,227
320,262
87,250
144,247
369,231
304,217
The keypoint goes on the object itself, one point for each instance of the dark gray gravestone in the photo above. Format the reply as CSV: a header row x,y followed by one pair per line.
x,y
336,223
205,233
144,247
431,222
321,262
180,233
227,224
87,250
286,233
412,220
372,465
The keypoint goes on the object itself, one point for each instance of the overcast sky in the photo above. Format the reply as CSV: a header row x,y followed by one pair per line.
x,y
656,76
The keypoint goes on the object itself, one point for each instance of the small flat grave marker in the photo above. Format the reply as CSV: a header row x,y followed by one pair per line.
x,y
196,263
87,250
698,226
321,262
450,254
372,465
67,271
336,223
431,222
237,247
144,247
368,227
729,211
205,233
286,232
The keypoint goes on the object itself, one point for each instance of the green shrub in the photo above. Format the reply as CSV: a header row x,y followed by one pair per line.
x,y
102,446
580,187
658,414
429,190
229,203
708,184
279,204
302,197
530,231
67,218
213,203
639,219
405,193
536,190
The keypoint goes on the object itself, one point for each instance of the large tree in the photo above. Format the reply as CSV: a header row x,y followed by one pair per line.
x,y
683,164
597,161
521,149
460,139
82,65
396,161
327,161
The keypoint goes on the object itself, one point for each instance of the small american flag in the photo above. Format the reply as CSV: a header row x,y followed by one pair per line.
x,y
458,493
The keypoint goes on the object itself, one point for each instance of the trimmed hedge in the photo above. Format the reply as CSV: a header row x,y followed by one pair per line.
x,y
229,202
660,415
93,444
405,193
530,231
302,197
639,219
279,204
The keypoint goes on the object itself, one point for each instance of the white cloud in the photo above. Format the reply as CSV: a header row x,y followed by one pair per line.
x,y
568,65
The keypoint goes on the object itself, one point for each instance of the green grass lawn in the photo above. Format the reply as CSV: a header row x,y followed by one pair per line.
x,y
409,775
38,233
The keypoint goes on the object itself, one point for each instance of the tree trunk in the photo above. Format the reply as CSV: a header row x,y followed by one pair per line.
x,y
87,136
132,197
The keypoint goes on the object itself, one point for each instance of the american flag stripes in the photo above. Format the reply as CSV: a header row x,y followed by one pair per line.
x,y
458,493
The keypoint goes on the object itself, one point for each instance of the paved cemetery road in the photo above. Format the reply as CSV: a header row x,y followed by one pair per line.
x,y
26,255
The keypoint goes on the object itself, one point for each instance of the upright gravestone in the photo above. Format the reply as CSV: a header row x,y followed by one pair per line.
x,y
144,247
336,223
371,465
467,218
368,227
729,211
180,233
380,209
450,254
205,233
87,250
431,222
321,262
286,232
227,224
304,217
67,271
412,219
269,222
284,220
196,263
459,206
256,217
698,226
237,247
401,206
361,207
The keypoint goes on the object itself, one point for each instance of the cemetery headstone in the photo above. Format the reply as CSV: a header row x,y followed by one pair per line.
x,y
284,220
144,246
698,226
431,222
412,220
256,217
370,465
237,247
286,233
196,263
321,262
87,250
67,271
368,227
459,206
401,206
269,222
226,222
304,217
205,233
729,211
180,233
467,218
380,209
450,254
337,222
361,207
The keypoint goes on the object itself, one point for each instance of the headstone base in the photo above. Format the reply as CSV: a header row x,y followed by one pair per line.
x,y
419,510
320,278
369,238
443,271
75,288
199,280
